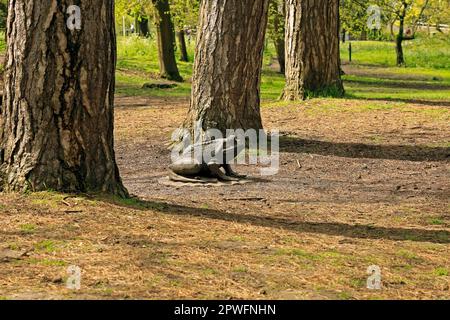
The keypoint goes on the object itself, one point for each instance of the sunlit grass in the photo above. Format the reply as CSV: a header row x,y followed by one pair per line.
x,y
424,51
138,64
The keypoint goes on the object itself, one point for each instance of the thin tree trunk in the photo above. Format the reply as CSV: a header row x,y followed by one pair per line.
x,y
227,70
401,36
281,54
182,45
312,49
278,14
166,41
391,28
416,22
363,36
56,129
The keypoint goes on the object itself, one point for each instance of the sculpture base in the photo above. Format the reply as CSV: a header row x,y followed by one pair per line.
x,y
167,182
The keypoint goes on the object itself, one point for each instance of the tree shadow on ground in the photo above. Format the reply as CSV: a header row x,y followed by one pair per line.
x,y
358,150
401,84
324,228
433,103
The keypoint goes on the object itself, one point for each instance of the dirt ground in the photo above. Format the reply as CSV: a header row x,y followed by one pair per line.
x,y
360,184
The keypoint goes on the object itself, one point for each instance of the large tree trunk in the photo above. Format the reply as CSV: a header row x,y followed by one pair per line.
x,y
277,27
182,45
227,70
312,49
166,41
56,125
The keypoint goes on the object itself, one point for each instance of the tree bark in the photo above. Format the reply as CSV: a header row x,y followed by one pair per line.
x,y
182,45
312,49
166,41
56,124
363,36
281,54
401,35
227,69
278,17
391,29
144,30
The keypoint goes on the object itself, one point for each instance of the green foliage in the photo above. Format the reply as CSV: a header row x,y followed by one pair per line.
x,y
275,27
437,12
353,16
3,13
185,13
133,7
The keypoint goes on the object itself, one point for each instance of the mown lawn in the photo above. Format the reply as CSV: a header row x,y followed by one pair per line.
x,y
372,73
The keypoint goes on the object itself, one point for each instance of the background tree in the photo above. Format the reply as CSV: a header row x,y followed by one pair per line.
x,y
3,13
438,13
312,49
56,124
143,25
160,10
228,62
403,13
139,10
166,41
353,16
276,28
185,15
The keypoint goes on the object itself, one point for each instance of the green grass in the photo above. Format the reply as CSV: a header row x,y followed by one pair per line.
x,y
272,84
441,272
383,92
426,78
28,228
297,253
407,84
47,246
424,52
437,221
137,63
240,269
47,262
141,54
2,41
